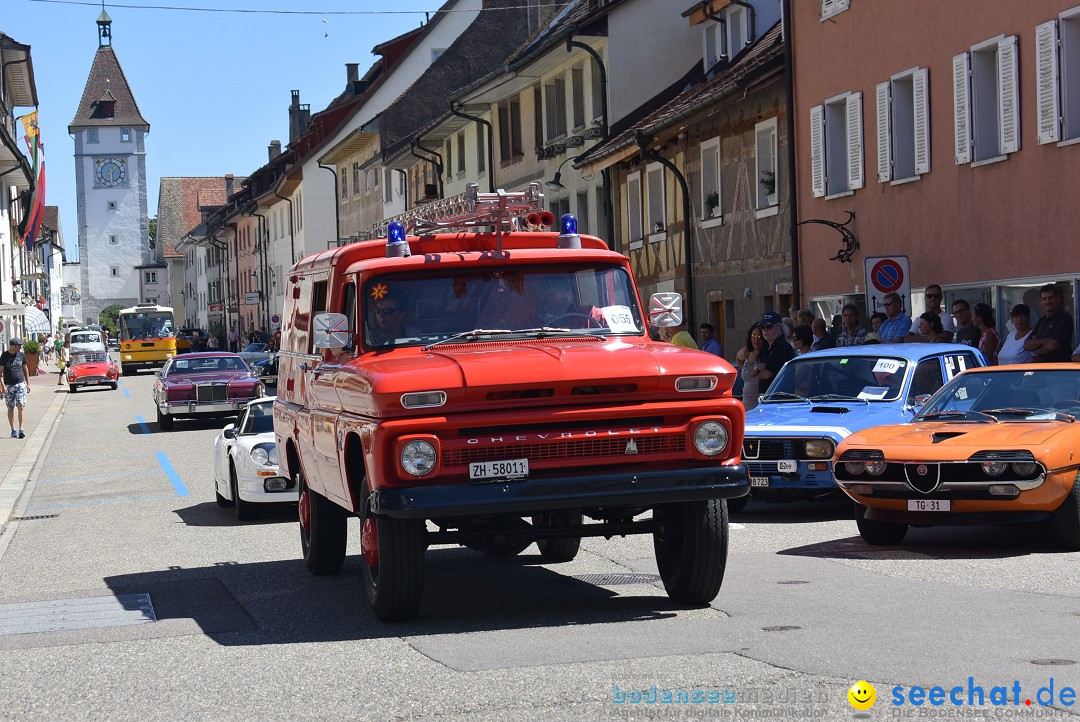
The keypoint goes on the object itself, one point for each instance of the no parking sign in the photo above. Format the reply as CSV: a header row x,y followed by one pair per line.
x,y
887,274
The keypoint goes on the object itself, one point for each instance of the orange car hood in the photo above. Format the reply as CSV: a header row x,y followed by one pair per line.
x,y
956,439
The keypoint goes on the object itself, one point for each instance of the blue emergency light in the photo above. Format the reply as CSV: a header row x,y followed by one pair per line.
x,y
396,244
568,235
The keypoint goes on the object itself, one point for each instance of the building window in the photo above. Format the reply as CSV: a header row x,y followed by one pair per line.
x,y
654,190
112,240
449,155
1057,55
481,150
125,135
768,173
738,30
344,184
91,135
510,149
903,126
538,117
836,156
633,207
150,276
388,188
355,178
832,7
111,205
986,108
114,271
367,181
577,82
597,93
461,153
711,195
555,108
560,207
583,212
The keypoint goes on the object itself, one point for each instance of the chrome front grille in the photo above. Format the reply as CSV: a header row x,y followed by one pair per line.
x,y
211,392
623,448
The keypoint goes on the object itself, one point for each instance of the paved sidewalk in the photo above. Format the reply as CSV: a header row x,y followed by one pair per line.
x,y
19,457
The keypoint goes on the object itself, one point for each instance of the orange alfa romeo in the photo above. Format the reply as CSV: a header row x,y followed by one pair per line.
x,y
996,445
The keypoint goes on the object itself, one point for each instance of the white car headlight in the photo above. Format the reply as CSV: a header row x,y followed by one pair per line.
x,y
418,458
265,454
819,448
710,438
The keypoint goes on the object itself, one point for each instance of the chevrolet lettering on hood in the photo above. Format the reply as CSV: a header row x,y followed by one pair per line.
x,y
486,372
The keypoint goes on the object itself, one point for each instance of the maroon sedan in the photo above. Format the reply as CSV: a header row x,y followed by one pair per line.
x,y
203,384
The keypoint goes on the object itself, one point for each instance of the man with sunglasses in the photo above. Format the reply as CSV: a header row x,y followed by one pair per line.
x,y
387,319
897,323
934,298
778,352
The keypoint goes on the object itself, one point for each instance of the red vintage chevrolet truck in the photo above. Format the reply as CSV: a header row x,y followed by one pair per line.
x,y
489,382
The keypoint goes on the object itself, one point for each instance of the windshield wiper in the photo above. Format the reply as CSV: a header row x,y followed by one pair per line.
x,y
545,331
784,395
475,334
953,415
838,397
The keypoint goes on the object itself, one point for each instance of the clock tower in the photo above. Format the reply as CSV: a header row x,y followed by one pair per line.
x,y
110,184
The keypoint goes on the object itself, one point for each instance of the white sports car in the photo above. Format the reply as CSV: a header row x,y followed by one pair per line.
x,y
246,463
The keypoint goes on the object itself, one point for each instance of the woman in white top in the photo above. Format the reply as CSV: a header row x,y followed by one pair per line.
x,y
755,346
1012,348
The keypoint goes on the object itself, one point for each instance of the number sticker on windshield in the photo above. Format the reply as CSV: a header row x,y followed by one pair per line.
x,y
887,366
619,319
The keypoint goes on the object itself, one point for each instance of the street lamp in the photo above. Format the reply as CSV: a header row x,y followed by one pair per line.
x,y
556,182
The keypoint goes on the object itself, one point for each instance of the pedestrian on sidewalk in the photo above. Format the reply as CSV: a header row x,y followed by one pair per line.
x,y
15,386
62,358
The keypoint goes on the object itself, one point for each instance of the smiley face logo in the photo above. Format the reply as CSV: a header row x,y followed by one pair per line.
x,y
862,695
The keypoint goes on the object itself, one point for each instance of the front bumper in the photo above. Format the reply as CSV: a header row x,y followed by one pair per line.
x,y
528,496
91,381
255,488
195,408
809,479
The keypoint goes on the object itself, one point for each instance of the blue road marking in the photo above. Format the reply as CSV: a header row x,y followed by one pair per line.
x,y
127,394
97,502
145,428
170,472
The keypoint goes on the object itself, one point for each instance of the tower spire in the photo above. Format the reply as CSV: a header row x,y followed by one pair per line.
x,y
104,23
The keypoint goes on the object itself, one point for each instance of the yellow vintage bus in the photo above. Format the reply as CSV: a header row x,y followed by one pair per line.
x,y
147,337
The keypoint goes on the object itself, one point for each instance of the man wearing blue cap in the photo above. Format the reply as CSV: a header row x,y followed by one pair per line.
x,y
778,353
14,384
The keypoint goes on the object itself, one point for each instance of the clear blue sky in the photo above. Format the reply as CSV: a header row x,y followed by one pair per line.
x,y
214,86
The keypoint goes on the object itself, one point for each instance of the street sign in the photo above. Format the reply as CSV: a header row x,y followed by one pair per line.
x,y
887,274
215,307
275,322
251,299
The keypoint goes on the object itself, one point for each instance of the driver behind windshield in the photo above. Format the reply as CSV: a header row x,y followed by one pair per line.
x,y
556,305
387,311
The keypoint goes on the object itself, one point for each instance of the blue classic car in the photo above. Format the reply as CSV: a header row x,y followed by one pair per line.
x,y
820,398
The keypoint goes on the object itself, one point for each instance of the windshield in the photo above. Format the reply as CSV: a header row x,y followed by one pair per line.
x,y
1007,396
260,419
422,309
872,378
92,357
184,366
150,324
86,337
255,347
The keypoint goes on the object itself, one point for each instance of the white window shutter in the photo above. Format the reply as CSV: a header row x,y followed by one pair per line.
x,y
1008,102
884,149
961,109
856,177
817,150
1046,63
920,83
827,8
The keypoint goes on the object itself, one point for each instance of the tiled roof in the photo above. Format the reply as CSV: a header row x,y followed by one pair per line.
x,y
107,80
52,218
179,200
768,49
483,46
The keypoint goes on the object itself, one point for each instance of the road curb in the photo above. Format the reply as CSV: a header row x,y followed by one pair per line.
x,y
28,462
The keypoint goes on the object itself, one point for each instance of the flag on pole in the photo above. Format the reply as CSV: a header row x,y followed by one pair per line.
x,y
31,223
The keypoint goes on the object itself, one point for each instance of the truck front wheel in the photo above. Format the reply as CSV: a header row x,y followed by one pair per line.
x,y
393,565
691,549
322,532
558,550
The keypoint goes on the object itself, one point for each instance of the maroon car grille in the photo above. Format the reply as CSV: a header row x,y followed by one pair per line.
x,y
570,449
211,392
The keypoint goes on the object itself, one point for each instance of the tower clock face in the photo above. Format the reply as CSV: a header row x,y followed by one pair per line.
x,y
111,172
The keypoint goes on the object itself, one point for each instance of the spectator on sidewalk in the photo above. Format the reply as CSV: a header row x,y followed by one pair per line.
x,y
745,360
678,336
63,356
989,341
897,323
822,339
1052,337
15,385
853,334
1012,350
876,319
934,296
803,340
967,332
707,332
778,353
212,343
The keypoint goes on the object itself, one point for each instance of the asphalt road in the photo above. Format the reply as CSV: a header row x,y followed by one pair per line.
x,y
242,631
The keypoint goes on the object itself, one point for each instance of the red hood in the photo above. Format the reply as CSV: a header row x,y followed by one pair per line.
x,y
93,368
469,373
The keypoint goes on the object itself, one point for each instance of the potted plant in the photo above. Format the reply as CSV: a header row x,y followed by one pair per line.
x,y
768,182
31,349
712,202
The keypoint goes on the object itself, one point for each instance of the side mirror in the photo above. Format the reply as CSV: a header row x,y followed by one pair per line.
x,y
918,401
665,310
159,373
331,330
229,432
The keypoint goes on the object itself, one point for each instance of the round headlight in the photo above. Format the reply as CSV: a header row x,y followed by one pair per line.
x,y
418,458
1024,468
875,468
710,438
260,456
854,467
993,468
819,449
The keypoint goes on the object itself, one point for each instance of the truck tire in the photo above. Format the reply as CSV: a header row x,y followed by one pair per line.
x,y
393,565
323,533
1065,520
164,421
879,533
558,550
691,549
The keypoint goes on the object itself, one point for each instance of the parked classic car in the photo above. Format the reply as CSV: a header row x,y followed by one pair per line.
x,y
86,340
262,360
215,383
995,445
246,472
92,368
820,398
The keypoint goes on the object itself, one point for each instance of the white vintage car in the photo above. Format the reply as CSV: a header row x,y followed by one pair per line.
x,y
246,463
